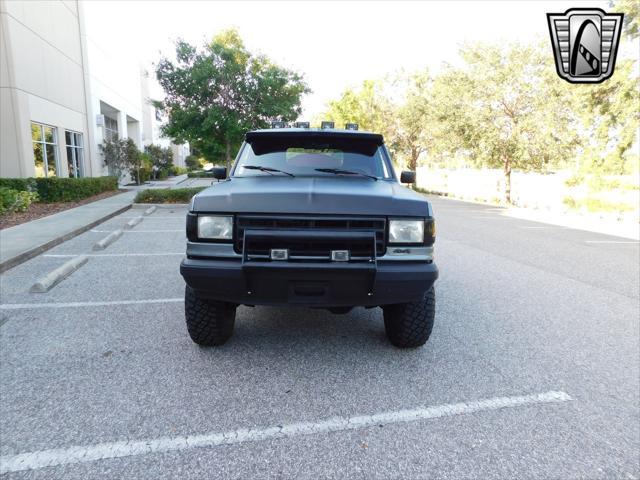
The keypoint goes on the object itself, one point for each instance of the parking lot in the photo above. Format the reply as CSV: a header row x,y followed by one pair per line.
x,y
532,370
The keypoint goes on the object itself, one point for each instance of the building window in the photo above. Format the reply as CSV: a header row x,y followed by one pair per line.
x,y
110,129
45,149
75,154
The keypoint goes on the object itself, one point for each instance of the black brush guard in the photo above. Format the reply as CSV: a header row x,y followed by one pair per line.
x,y
308,278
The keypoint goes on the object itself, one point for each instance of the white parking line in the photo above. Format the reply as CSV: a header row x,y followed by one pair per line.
x,y
180,216
546,226
635,242
127,448
27,306
71,255
140,231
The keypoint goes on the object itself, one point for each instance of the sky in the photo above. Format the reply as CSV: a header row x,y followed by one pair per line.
x,y
334,44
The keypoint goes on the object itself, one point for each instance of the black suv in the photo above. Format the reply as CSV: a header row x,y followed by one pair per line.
x,y
316,218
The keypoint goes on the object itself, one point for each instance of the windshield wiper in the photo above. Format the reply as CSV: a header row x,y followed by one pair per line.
x,y
266,169
338,171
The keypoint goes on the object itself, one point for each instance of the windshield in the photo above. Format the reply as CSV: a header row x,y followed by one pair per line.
x,y
305,161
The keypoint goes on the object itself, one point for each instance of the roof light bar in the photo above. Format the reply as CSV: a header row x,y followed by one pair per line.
x,y
301,125
327,125
351,126
278,124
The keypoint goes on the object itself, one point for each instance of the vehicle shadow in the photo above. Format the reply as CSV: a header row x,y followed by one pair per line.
x,y
310,325
276,333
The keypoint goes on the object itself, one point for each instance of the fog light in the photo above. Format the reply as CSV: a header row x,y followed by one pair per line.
x,y
279,254
340,255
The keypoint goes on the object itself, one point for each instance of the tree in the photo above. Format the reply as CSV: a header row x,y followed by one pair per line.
x,y
192,162
120,155
415,129
134,159
631,10
368,106
161,159
508,109
610,118
213,95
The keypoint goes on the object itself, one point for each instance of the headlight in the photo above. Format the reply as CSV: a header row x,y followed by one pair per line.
x,y
406,231
215,228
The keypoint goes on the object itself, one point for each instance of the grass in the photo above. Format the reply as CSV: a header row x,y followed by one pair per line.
x,y
167,195
594,205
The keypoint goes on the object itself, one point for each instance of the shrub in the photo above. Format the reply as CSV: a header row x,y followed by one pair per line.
x,y
20,184
161,160
167,195
570,202
598,183
574,180
120,155
15,200
57,189
145,170
597,205
175,170
192,162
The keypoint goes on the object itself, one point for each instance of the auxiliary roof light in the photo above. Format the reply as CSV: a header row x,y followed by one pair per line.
x,y
327,125
278,124
301,125
351,126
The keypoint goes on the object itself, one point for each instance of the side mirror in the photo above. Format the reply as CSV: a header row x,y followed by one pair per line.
x,y
219,172
408,177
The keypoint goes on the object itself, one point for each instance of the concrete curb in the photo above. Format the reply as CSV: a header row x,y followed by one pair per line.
x,y
132,223
34,252
137,206
108,240
150,210
51,279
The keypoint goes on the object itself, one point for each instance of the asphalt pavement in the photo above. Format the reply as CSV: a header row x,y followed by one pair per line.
x,y
532,370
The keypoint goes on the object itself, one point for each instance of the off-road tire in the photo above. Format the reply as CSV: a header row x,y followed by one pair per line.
x,y
408,325
209,322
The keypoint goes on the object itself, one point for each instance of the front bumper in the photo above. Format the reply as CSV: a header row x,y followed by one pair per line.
x,y
309,284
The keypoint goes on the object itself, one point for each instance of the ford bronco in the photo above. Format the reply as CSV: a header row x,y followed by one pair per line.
x,y
315,218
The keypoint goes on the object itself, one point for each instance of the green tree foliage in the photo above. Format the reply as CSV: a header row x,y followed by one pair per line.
x,y
504,107
631,10
508,109
610,115
213,95
375,107
134,159
161,159
143,170
192,162
368,106
415,131
121,155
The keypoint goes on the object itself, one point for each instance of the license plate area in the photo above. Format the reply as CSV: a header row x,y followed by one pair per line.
x,y
306,285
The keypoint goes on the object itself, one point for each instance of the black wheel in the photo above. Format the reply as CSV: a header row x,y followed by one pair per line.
x,y
408,325
209,322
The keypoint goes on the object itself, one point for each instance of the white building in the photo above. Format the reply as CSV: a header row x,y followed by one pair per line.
x,y
65,87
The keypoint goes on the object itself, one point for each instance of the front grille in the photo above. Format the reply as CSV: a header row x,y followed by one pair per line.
x,y
299,246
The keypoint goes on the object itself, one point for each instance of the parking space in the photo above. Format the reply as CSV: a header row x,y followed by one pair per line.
x,y
107,362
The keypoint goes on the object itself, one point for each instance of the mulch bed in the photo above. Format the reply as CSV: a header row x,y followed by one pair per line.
x,y
39,210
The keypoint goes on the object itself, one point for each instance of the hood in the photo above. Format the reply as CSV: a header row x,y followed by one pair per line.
x,y
312,195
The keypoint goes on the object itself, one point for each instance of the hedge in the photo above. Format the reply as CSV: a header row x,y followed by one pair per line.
x,y
200,174
167,195
15,200
56,189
